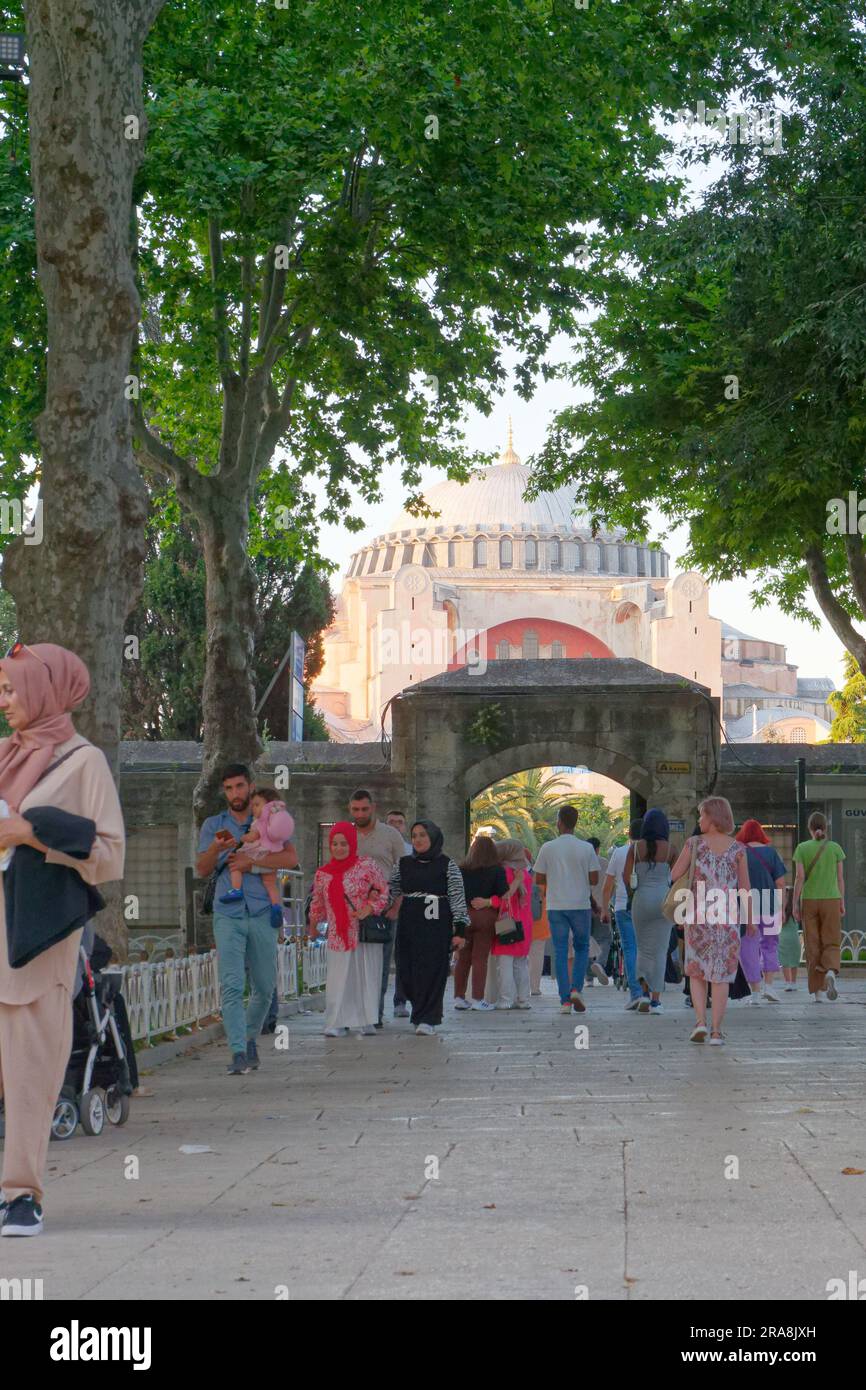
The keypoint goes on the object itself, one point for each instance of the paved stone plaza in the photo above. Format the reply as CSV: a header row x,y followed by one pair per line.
x,y
558,1168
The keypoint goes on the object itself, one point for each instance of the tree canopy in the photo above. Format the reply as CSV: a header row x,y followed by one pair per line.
x,y
727,364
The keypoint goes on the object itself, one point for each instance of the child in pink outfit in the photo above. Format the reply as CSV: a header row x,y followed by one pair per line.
x,y
272,827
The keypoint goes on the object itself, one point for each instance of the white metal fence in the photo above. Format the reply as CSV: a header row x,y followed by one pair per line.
x,y
183,991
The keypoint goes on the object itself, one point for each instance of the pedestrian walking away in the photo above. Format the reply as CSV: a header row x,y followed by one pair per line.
x,y
712,931
759,952
540,936
617,887
64,833
819,905
243,928
432,921
346,889
485,885
790,944
649,858
569,869
600,925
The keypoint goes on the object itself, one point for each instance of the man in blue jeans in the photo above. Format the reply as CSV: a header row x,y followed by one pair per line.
x,y
615,887
569,868
242,931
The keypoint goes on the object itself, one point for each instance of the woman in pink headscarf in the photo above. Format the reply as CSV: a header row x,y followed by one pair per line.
x,y
66,830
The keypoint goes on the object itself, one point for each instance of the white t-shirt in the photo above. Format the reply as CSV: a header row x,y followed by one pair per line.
x,y
567,862
615,866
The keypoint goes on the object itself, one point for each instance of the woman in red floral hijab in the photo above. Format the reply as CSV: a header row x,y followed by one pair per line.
x,y
345,889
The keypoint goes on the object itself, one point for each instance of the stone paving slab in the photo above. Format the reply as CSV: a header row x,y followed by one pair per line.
x,y
558,1169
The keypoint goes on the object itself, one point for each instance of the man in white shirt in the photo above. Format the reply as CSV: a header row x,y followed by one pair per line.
x,y
569,869
615,887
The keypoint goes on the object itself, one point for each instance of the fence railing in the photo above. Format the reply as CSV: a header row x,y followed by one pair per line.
x,y
184,990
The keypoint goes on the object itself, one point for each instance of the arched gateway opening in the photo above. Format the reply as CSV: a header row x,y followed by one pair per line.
x,y
461,731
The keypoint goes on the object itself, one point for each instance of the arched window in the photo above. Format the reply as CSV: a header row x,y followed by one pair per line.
x,y
578,555
505,553
428,558
641,559
408,552
389,558
798,734
555,553
452,554
530,646
503,651
557,651
602,557
479,552
531,553
623,559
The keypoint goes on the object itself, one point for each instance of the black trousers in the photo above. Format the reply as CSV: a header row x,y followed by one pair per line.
x,y
423,960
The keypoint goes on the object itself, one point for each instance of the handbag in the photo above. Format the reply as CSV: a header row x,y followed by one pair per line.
x,y
508,931
671,904
372,929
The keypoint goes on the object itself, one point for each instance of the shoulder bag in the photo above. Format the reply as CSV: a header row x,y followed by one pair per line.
x,y
815,859
209,894
672,901
373,930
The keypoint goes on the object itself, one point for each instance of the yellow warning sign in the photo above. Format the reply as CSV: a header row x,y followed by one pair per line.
x,y
668,766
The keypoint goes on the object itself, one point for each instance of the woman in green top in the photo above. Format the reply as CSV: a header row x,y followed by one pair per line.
x,y
819,904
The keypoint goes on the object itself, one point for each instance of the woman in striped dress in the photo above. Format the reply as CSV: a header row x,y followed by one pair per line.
x,y
432,913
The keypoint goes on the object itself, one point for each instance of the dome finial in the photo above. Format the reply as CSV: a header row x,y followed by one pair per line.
x,y
509,456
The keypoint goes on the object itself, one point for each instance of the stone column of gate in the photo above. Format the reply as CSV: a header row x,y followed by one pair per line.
x,y
426,759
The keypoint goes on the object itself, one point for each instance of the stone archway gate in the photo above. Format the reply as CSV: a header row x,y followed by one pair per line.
x,y
455,734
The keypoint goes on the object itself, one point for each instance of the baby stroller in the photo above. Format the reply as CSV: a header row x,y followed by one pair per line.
x,y
97,1084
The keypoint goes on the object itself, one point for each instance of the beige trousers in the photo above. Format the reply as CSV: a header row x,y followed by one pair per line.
x,y
536,965
822,936
35,1043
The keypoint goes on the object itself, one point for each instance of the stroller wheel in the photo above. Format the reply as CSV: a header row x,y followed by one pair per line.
x,y
65,1120
116,1106
92,1112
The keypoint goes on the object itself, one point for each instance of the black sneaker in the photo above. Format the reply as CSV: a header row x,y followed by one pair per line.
x,y
23,1217
252,1055
239,1065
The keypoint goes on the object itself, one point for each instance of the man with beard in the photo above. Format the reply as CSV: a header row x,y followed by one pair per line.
x,y
384,845
245,939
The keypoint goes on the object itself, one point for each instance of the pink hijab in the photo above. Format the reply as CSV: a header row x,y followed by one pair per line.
x,y
49,681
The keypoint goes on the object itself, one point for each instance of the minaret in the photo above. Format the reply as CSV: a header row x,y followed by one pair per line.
x,y
508,455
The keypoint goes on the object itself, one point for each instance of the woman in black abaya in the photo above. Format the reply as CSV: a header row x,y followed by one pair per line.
x,y
432,911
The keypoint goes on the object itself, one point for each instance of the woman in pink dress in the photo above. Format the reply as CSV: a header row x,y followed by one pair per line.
x,y
511,963
346,889
712,925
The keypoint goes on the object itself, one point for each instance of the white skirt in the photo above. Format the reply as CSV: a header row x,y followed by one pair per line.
x,y
352,987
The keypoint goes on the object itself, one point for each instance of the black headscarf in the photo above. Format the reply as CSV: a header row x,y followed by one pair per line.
x,y
437,841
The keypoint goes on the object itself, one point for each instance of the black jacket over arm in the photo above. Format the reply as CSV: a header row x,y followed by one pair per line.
x,y
47,902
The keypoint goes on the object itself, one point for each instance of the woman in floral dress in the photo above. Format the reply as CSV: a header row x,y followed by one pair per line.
x,y
349,887
712,927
